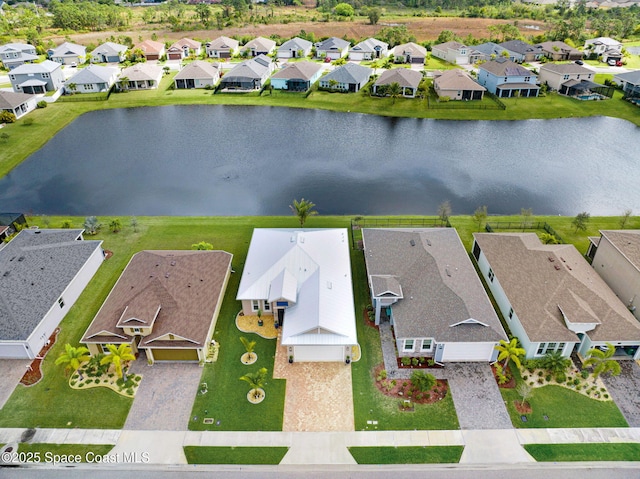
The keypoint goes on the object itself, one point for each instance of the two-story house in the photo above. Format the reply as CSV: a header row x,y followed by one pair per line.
x,y
456,53
506,79
13,55
37,78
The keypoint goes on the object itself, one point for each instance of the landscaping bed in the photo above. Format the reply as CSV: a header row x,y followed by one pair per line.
x,y
34,373
404,389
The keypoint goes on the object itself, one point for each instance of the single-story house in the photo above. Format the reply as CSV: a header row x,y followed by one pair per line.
x,y
604,48
184,48
558,51
259,46
109,52
409,81
423,282
490,51
555,74
141,76
350,77
151,49
629,82
37,78
302,277
43,273
295,48
505,79
615,256
68,54
457,85
297,76
520,51
551,299
222,47
13,55
456,53
410,53
165,303
198,74
17,103
248,75
332,48
93,79
11,222
369,49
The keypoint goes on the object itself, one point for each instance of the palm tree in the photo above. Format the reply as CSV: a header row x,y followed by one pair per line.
x,y
394,91
303,209
602,362
115,225
249,346
555,362
72,87
119,356
255,380
123,83
91,224
73,357
509,351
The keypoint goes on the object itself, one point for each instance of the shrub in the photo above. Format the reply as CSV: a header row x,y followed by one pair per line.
x,y
584,374
404,384
540,373
561,377
405,361
606,396
531,383
422,360
369,308
28,122
427,396
42,104
540,381
548,378
414,361
602,390
7,117
423,381
576,381
393,382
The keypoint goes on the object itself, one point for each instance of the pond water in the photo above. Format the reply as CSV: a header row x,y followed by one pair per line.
x,y
230,160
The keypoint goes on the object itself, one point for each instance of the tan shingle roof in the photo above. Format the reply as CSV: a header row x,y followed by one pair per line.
x,y
298,70
402,76
456,80
539,280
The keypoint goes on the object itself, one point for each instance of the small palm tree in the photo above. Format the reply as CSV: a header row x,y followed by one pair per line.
x,y
119,356
394,91
73,357
249,346
123,83
602,362
115,225
509,351
72,87
555,362
255,380
92,225
303,209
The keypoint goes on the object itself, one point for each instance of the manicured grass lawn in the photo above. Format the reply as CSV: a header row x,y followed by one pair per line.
x,y
564,408
56,453
584,452
234,455
407,455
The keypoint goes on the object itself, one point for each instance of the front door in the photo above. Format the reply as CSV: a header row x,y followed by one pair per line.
x,y
280,317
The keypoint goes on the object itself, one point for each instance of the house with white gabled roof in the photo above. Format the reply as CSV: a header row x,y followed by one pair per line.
x,y
93,79
68,54
37,78
109,52
13,55
295,48
369,49
302,277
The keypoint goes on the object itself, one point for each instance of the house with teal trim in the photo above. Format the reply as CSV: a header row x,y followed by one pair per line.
x,y
297,76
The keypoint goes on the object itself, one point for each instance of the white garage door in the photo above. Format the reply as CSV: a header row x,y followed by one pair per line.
x,y
13,351
464,352
318,353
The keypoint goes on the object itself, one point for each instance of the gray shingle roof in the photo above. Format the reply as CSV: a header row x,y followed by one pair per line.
x,y
540,279
254,68
333,43
349,74
439,284
456,80
223,43
505,67
46,66
565,68
631,77
110,49
369,45
627,242
35,268
518,46
9,99
142,71
93,74
69,49
295,44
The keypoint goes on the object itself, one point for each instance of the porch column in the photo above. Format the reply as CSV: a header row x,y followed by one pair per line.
x,y
378,308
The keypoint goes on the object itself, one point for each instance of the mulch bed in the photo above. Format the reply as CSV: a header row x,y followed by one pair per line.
x,y
34,373
522,408
368,322
399,391
419,366
510,384
108,254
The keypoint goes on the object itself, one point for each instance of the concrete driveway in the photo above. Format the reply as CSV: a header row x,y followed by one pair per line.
x,y
165,396
625,390
11,371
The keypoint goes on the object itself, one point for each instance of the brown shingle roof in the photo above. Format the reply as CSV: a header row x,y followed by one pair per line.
x,y
403,76
541,280
298,70
187,286
456,80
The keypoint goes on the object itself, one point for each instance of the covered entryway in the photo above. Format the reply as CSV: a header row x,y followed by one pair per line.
x,y
318,353
467,352
166,354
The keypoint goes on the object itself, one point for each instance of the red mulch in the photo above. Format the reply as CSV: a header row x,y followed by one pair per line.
x,y
437,393
368,322
34,373
108,254
523,408
510,384
419,366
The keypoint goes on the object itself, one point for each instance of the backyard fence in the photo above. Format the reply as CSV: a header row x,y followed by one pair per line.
x,y
523,225
357,224
495,104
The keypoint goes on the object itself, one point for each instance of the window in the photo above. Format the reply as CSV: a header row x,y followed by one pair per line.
x,y
136,330
566,77
12,77
255,305
549,348
267,306
408,345
61,302
476,251
45,75
490,275
427,345
171,337
527,79
510,313
105,349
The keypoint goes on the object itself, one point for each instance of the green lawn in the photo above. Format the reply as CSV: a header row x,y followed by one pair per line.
x,y
407,455
584,452
63,453
234,455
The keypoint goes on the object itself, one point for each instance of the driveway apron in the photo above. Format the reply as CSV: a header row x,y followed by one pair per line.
x,y
165,396
625,391
11,372
476,396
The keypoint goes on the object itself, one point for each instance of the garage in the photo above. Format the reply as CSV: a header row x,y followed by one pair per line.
x,y
175,354
463,352
318,353
14,351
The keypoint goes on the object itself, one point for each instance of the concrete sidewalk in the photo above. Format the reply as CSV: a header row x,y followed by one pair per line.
x,y
495,446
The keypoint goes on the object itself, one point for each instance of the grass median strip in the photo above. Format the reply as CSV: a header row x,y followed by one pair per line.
x,y
234,455
623,451
407,454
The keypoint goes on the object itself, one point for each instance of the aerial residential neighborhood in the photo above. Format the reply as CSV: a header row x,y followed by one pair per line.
x,y
388,324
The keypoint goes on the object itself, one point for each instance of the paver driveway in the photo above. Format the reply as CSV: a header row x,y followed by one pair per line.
x,y
625,391
165,396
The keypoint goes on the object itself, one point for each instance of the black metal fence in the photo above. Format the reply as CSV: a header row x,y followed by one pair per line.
x,y
523,226
494,104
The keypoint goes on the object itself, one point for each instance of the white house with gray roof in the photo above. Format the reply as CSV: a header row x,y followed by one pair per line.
x,y
42,273
93,79
629,82
13,55
17,103
109,52
369,49
259,46
197,74
551,299
424,283
68,54
302,277
37,78
295,48
350,77
332,48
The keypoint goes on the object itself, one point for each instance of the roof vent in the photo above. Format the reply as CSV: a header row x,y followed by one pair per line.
x,y
412,243
448,272
429,242
557,267
329,285
551,259
166,275
21,258
6,273
173,263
